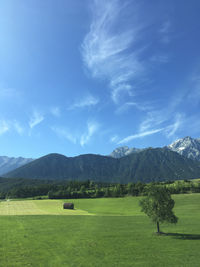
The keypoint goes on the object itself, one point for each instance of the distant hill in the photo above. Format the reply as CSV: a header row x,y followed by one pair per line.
x,y
187,146
8,164
149,165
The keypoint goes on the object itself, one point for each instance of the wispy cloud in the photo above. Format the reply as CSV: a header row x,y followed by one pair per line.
x,y
165,27
18,128
172,129
4,127
87,101
10,125
35,119
164,32
55,111
105,48
114,139
125,107
160,58
62,132
157,122
139,135
92,128
153,119
75,137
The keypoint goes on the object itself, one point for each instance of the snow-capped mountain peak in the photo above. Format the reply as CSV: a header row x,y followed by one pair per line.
x,y
124,151
187,146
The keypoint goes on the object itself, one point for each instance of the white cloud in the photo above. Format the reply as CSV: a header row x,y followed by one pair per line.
x,y
92,128
172,129
105,48
19,129
4,127
8,125
55,111
125,107
139,135
164,31
118,90
75,138
35,119
62,132
156,122
160,58
165,27
114,139
153,119
85,102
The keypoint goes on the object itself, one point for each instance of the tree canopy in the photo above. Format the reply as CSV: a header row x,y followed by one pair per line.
x,y
158,206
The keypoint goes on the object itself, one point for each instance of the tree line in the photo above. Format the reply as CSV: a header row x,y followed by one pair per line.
x,y
90,189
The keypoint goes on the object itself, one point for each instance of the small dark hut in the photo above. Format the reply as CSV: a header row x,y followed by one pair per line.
x,y
68,206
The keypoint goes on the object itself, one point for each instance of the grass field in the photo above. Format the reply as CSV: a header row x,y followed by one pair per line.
x,y
117,234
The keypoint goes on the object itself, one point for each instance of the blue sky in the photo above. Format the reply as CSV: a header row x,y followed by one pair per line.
x,y
87,76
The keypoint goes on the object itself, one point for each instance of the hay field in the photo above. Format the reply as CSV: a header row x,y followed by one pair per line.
x,y
37,207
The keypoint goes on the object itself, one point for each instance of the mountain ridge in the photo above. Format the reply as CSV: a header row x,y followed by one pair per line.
x,y
186,146
153,164
10,163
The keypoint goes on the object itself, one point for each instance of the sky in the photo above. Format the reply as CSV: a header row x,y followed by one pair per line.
x,y
88,76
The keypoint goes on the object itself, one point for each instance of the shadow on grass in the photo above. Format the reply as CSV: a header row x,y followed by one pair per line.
x,y
183,236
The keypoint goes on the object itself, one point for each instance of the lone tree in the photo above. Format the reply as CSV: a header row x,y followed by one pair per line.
x,y
158,206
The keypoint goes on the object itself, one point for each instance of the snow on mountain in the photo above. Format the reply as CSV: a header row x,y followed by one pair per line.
x,y
8,164
187,146
124,151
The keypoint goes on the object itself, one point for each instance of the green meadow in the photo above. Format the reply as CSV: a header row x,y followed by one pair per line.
x,y
99,232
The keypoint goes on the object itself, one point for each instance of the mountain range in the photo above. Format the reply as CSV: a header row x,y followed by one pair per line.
x,y
176,161
187,146
10,163
156,164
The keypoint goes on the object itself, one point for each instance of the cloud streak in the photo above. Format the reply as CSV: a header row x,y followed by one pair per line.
x,y
139,135
35,119
75,138
13,125
172,129
105,49
128,105
18,128
157,122
114,138
164,31
62,132
55,111
4,127
88,101
91,130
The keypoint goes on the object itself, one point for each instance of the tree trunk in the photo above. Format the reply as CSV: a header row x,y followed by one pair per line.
x,y
158,227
